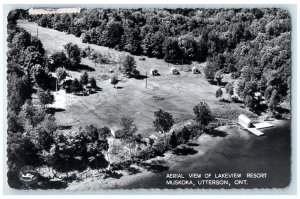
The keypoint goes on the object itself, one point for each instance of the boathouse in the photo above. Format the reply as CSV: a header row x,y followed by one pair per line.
x,y
244,121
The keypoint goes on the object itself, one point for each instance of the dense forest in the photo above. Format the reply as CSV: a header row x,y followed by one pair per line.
x,y
32,129
252,45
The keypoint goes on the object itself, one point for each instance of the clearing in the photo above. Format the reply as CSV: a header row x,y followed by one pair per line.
x,y
175,94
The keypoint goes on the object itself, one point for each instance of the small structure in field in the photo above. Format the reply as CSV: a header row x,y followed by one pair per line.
x,y
89,85
196,70
244,121
116,131
174,71
154,72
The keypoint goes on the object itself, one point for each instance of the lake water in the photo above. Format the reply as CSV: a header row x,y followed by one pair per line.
x,y
238,152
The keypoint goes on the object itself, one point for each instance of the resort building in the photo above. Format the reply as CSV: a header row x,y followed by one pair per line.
x,y
244,121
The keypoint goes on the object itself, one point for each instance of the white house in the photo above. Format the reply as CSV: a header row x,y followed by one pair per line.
x,y
154,72
174,71
195,70
244,121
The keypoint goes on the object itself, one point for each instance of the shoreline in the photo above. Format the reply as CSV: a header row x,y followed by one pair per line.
x,y
203,144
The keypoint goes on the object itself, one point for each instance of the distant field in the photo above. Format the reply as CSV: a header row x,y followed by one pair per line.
x,y
175,94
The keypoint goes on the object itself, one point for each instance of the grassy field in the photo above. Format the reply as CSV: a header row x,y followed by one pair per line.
x,y
175,94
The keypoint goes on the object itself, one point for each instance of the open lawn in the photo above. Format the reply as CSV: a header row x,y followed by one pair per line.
x,y
175,94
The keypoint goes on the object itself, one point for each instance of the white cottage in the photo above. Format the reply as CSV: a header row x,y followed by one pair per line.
x,y
244,121
154,72
174,71
195,70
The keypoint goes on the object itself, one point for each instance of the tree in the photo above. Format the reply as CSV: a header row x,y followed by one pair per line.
x,y
84,78
73,53
38,45
104,132
132,40
163,122
173,140
247,73
249,89
92,146
19,90
209,72
172,51
45,97
30,116
219,93
229,90
40,76
64,154
274,101
114,80
218,77
61,74
202,48
249,101
75,86
58,60
129,129
42,134
203,114
189,47
112,34
32,58
186,134
44,21
93,82
129,66
21,40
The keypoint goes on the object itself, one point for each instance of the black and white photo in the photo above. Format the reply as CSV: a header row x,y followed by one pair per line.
x,y
149,98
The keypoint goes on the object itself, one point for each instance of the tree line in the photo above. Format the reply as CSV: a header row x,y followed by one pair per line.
x,y
251,44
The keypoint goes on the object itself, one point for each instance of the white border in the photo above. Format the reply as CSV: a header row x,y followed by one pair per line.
x,y
158,2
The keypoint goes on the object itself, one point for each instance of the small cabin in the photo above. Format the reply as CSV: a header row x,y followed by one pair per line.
x,y
89,85
154,72
196,70
244,121
174,71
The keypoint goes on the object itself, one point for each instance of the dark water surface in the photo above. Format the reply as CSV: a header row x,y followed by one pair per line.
x,y
269,154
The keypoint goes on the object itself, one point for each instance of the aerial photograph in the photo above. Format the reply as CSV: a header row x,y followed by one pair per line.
x,y
148,98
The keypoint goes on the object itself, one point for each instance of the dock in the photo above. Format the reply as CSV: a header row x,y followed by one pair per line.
x,y
255,131
247,124
262,125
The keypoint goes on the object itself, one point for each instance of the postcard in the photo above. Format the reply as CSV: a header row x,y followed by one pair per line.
x,y
149,98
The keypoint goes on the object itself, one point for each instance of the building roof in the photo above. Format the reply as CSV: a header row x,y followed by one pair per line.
x,y
244,118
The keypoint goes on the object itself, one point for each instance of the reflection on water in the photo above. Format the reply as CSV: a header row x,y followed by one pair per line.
x,y
240,152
